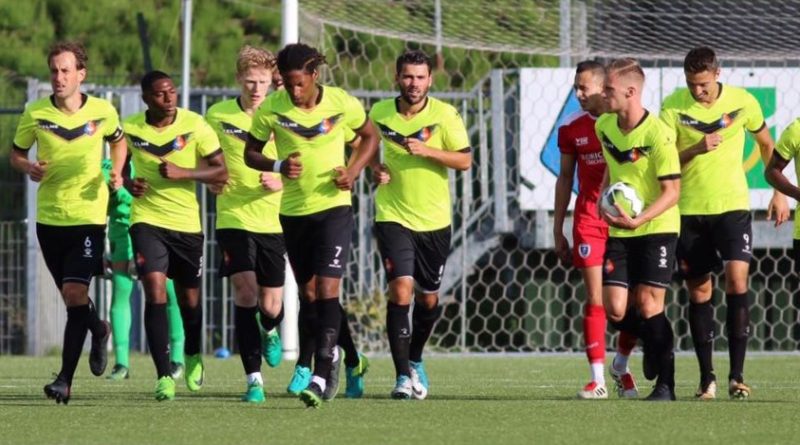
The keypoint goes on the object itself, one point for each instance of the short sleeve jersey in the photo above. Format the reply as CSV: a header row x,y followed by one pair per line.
x,y
167,203
418,194
244,203
319,137
788,148
72,191
714,182
577,137
641,158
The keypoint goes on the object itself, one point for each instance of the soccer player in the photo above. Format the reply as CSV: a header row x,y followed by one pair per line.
x,y
578,144
123,281
166,142
69,129
709,122
640,252
423,138
308,120
786,151
248,230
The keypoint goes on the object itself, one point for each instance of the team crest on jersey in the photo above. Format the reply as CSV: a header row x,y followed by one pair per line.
x,y
584,250
622,157
234,131
423,134
87,129
176,144
709,127
325,126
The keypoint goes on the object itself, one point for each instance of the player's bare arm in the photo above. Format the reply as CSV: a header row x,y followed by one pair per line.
x,y
19,161
778,206
563,194
214,172
458,160
363,153
709,143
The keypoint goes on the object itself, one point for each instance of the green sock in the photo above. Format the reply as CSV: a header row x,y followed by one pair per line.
x,y
122,283
175,325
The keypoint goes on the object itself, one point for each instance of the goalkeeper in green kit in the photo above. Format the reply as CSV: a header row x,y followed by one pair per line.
x,y
123,280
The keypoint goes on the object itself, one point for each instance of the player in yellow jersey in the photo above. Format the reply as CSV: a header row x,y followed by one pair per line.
x,y
308,120
423,137
247,228
640,251
709,120
69,129
166,143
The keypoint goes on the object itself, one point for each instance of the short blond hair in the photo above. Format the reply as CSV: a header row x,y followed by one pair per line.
x,y
252,57
626,67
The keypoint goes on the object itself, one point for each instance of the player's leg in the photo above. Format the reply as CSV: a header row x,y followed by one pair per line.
x,y
697,258
733,236
152,262
177,337
270,274
653,274
122,284
397,252
431,250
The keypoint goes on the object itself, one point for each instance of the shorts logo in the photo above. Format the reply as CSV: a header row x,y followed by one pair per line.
x,y
200,267
584,250
226,258
441,273
388,265
336,264
684,266
87,248
609,266
140,259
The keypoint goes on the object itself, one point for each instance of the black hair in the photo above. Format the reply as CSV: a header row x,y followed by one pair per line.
x,y
700,59
594,66
150,78
299,56
413,57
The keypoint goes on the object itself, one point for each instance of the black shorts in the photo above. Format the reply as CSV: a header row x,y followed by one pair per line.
x,y
318,244
708,240
73,254
406,253
262,253
179,255
796,254
646,259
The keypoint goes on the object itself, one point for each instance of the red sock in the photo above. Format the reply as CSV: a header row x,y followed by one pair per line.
x,y
594,333
626,342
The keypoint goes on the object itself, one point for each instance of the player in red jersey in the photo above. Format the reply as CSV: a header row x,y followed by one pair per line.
x,y
579,146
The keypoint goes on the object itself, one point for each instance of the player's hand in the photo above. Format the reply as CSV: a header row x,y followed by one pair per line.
x,y
711,142
292,167
271,182
779,207
37,170
115,181
139,187
562,249
168,170
215,188
343,179
380,174
623,221
416,147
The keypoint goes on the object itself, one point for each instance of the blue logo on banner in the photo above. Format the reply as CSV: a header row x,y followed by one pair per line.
x,y
550,155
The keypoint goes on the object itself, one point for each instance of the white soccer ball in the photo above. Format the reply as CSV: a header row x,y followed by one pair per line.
x,y
625,196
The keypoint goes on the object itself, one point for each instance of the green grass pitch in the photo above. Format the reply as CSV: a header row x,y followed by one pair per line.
x,y
474,400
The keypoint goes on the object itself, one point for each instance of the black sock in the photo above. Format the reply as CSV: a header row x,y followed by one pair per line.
x,y
660,337
192,328
423,321
345,341
398,330
93,320
268,323
156,325
247,338
701,323
307,319
74,336
737,327
329,321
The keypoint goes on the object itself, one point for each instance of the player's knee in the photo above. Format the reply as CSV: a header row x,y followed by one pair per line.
x,y
429,301
615,317
75,294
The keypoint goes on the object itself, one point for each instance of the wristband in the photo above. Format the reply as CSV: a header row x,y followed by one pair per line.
x,y
276,166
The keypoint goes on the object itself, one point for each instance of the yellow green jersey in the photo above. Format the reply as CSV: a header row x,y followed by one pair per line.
x,y
244,203
167,203
418,194
788,148
72,191
713,182
641,158
319,136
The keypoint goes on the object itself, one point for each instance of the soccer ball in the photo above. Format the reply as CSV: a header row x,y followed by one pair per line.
x,y
624,195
